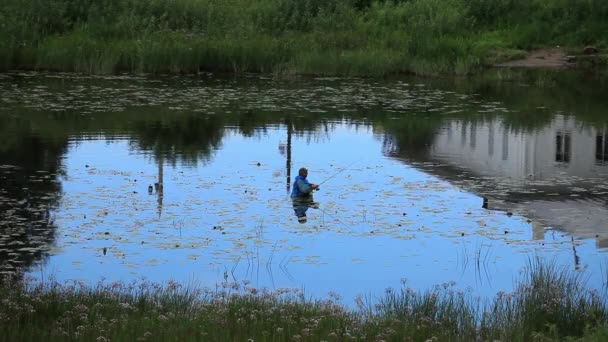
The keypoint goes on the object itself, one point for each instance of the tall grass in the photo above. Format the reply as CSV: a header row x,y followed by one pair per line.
x,y
548,304
550,301
363,37
349,63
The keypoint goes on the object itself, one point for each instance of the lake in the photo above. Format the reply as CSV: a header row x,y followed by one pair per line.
x,y
455,182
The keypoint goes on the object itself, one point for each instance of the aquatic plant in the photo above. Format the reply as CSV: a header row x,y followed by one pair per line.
x,y
548,303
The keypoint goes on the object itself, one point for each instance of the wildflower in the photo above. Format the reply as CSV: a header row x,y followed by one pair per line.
x,y
334,295
163,318
116,285
359,301
279,330
173,285
101,339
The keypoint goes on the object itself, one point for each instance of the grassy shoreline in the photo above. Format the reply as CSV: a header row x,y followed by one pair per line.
x,y
324,37
547,304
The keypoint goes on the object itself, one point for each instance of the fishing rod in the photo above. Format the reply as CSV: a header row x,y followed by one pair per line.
x,y
337,173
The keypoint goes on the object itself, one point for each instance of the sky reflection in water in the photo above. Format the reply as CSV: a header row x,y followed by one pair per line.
x,y
379,221
406,164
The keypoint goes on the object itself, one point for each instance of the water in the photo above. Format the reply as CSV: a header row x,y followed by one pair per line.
x,y
187,178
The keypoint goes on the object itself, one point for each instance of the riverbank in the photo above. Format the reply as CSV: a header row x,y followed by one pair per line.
x,y
558,58
284,37
548,304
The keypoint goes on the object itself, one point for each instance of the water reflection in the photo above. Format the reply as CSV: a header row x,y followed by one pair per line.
x,y
550,174
29,193
186,138
301,206
560,147
139,175
601,146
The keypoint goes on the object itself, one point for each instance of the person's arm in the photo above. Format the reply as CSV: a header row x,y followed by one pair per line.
x,y
304,186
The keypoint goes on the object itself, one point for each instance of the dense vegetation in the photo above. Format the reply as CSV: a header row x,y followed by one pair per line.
x,y
335,37
548,305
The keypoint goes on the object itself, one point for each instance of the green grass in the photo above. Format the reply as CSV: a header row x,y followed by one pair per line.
x,y
548,304
349,63
352,37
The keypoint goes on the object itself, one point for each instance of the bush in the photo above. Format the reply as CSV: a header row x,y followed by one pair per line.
x,y
424,36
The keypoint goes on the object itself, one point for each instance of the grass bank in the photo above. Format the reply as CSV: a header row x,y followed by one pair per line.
x,y
548,304
327,37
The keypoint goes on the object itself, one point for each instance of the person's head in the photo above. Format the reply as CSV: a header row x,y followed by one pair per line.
x,y
302,219
303,172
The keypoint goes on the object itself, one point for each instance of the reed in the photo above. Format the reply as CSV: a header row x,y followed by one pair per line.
x,y
549,303
349,63
355,37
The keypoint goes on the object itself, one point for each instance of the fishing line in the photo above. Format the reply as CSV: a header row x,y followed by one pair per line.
x,y
335,218
337,173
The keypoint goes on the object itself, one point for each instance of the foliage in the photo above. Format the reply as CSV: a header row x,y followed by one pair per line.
x,y
547,304
420,36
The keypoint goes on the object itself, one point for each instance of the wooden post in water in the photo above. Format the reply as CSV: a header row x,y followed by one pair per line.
x,y
159,185
289,132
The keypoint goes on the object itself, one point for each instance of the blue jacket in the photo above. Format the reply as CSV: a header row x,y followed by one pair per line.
x,y
301,188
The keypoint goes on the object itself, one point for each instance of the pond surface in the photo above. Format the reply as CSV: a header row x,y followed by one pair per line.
x,y
188,179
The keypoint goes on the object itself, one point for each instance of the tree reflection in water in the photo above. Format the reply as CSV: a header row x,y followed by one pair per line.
x,y
29,193
35,141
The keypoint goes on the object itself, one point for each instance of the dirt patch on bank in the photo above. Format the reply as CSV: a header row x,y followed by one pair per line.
x,y
554,58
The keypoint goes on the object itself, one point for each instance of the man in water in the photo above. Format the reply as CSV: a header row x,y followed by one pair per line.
x,y
301,194
302,189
